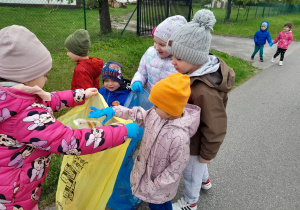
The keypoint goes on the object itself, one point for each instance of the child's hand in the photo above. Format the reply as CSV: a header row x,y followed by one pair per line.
x,y
90,92
132,130
96,113
271,44
137,87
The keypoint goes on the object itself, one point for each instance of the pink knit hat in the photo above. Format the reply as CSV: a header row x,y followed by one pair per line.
x,y
166,28
22,56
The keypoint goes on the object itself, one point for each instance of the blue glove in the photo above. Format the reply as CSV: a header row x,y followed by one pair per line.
x,y
132,130
137,87
96,113
271,44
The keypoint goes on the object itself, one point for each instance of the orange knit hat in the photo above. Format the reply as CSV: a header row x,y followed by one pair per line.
x,y
171,94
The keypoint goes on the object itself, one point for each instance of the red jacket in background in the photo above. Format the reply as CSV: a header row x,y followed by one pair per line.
x,y
86,73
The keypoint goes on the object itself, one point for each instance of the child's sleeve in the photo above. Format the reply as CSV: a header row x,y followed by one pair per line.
x,y
67,98
255,37
290,39
136,114
179,158
277,38
142,73
40,129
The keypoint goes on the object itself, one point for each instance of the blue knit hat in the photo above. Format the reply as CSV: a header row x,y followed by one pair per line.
x,y
112,70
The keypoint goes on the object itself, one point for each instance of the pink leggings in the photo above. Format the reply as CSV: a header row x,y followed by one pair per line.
x,y
36,207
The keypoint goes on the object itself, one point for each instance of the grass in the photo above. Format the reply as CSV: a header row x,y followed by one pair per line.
x,y
52,26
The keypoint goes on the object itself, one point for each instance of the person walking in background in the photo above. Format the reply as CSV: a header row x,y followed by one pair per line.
x,y
29,132
88,69
116,89
155,64
211,80
260,38
284,39
164,150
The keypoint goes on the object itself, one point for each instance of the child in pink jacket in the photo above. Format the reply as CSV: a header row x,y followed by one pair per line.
x,y
29,133
164,151
284,39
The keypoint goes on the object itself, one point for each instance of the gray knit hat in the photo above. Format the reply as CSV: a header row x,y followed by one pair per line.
x,y
79,42
22,56
191,42
264,24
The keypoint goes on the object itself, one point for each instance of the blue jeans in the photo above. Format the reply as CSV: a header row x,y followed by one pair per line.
x,y
261,50
163,206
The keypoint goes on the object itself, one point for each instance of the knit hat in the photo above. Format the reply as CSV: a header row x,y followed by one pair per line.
x,y
264,24
112,70
171,94
166,28
22,56
79,42
191,42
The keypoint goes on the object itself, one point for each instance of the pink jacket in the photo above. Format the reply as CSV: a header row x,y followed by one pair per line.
x,y
164,152
284,39
29,134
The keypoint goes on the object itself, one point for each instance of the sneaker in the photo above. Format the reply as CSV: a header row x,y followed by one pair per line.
x,y
183,205
261,59
280,63
252,57
206,185
272,60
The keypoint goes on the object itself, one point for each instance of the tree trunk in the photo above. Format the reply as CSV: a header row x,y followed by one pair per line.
x,y
105,24
228,10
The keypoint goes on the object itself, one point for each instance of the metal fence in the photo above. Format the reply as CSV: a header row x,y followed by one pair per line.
x,y
261,9
52,23
152,12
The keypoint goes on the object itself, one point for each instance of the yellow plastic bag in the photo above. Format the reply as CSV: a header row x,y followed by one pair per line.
x,y
87,181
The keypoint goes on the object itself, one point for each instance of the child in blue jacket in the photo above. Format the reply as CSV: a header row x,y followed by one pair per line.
x,y
116,89
260,38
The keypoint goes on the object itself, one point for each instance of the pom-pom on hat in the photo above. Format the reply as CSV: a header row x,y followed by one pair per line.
x,y
191,42
79,42
22,56
166,28
112,70
171,94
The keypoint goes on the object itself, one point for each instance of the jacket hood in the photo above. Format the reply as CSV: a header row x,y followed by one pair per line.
x,y
211,66
13,101
267,25
222,79
95,64
189,121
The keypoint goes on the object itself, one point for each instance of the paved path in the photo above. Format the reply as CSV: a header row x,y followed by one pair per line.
x,y
257,166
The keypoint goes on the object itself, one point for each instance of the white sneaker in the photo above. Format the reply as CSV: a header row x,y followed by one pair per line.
x,y
280,63
181,204
207,185
272,60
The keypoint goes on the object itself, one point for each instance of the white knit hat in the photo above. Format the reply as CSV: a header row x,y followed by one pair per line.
x,y
191,42
22,56
166,28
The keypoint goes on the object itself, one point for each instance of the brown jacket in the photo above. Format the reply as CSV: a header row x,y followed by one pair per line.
x,y
209,92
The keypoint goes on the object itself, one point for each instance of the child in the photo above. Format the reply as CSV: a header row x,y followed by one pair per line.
x,y
116,89
29,133
88,69
284,39
211,80
260,38
164,151
156,62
